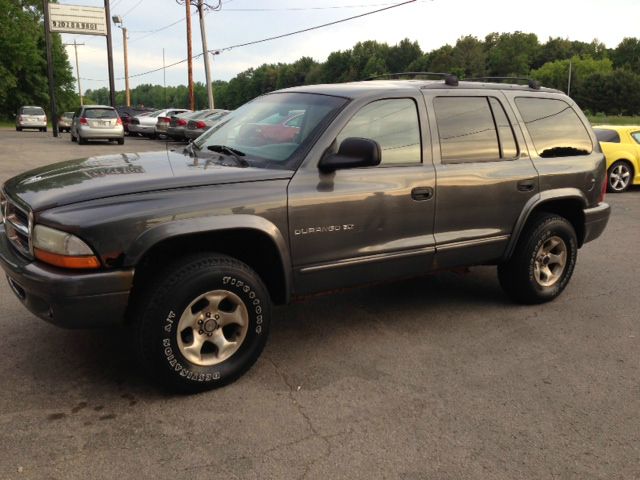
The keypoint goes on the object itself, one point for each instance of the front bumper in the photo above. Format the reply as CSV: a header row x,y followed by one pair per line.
x,y
595,221
68,299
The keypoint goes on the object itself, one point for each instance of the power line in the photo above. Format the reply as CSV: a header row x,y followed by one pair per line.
x,y
132,8
231,47
312,28
334,7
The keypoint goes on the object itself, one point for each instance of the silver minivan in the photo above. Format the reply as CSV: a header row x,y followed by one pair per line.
x,y
97,122
31,117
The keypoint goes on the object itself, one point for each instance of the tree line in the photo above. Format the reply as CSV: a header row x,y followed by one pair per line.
x,y
602,80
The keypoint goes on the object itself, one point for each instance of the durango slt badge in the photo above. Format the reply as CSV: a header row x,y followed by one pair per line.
x,y
324,229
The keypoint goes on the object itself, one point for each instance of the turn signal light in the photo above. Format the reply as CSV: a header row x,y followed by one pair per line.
x,y
64,261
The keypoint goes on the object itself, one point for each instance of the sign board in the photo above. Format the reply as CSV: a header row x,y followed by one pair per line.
x,y
77,19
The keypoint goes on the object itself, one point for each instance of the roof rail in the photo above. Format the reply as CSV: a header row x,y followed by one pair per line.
x,y
449,78
534,84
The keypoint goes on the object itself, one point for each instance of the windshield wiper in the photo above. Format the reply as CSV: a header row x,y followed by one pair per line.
x,y
230,152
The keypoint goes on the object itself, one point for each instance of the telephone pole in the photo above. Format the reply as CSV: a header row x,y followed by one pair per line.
x,y
192,99
205,53
75,47
119,21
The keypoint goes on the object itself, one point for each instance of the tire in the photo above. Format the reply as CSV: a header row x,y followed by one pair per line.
x,y
166,313
44,129
120,141
543,261
18,129
82,141
73,139
619,177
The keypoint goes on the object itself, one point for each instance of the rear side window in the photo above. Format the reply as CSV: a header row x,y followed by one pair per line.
x,y
394,124
607,135
636,136
473,129
554,127
100,113
31,111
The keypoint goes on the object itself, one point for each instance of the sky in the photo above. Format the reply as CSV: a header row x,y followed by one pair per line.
x,y
432,23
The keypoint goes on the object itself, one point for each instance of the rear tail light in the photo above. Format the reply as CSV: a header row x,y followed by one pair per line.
x,y
182,122
84,121
164,119
603,188
201,125
119,121
19,118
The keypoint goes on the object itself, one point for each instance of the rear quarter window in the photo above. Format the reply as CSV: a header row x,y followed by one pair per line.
x,y
607,135
555,128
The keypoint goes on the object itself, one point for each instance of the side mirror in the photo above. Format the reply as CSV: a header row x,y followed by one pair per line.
x,y
353,153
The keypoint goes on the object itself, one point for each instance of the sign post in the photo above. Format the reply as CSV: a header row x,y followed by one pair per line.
x,y
79,20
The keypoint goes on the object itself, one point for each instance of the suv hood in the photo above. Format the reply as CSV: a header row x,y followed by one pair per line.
x,y
106,176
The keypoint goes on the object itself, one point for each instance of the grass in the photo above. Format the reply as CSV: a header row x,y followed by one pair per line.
x,y
613,120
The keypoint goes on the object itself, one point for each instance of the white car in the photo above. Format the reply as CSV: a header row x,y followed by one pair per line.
x,y
145,125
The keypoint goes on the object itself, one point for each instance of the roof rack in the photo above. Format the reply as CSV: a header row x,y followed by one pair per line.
x,y
449,78
534,84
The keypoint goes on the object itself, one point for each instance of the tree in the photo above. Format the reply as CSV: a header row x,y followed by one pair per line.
x,y
627,54
23,67
511,54
469,57
556,74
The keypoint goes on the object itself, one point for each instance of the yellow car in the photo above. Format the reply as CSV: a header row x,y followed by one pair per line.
x,y
621,147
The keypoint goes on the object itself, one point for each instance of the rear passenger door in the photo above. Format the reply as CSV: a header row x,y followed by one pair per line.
x,y
484,175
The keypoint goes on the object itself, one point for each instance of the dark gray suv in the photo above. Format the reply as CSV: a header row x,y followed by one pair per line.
x,y
374,181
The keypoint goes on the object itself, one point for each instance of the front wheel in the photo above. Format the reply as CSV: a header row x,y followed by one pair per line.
x,y
619,177
203,323
543,261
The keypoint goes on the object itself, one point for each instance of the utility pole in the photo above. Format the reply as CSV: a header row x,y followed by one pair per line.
x,y
192,99
569,81
164,77
205,52
112,83
75,47
118,20
52,89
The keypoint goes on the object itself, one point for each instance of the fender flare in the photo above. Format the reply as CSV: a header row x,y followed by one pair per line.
x,y
533,203
183,227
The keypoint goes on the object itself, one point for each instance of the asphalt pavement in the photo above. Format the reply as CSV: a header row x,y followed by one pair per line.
x,y
439,377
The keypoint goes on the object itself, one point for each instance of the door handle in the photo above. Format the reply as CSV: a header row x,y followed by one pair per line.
x,y
422,193
526,185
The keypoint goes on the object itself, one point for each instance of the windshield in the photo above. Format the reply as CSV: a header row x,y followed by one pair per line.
x,y
260,129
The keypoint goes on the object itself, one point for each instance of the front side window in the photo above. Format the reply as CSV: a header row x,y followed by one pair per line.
x,y
259,131
606,135
394,124
554,127
473,129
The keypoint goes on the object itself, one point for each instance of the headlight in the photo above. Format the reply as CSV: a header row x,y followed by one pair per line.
x,y
62,249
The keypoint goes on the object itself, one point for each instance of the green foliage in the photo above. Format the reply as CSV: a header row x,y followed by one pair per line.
x,y
23,67
627,55
511,54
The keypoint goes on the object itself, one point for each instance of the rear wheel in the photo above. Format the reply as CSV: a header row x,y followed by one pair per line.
x,y
82,141
120,141
619,175
543,261
203,323
18,129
